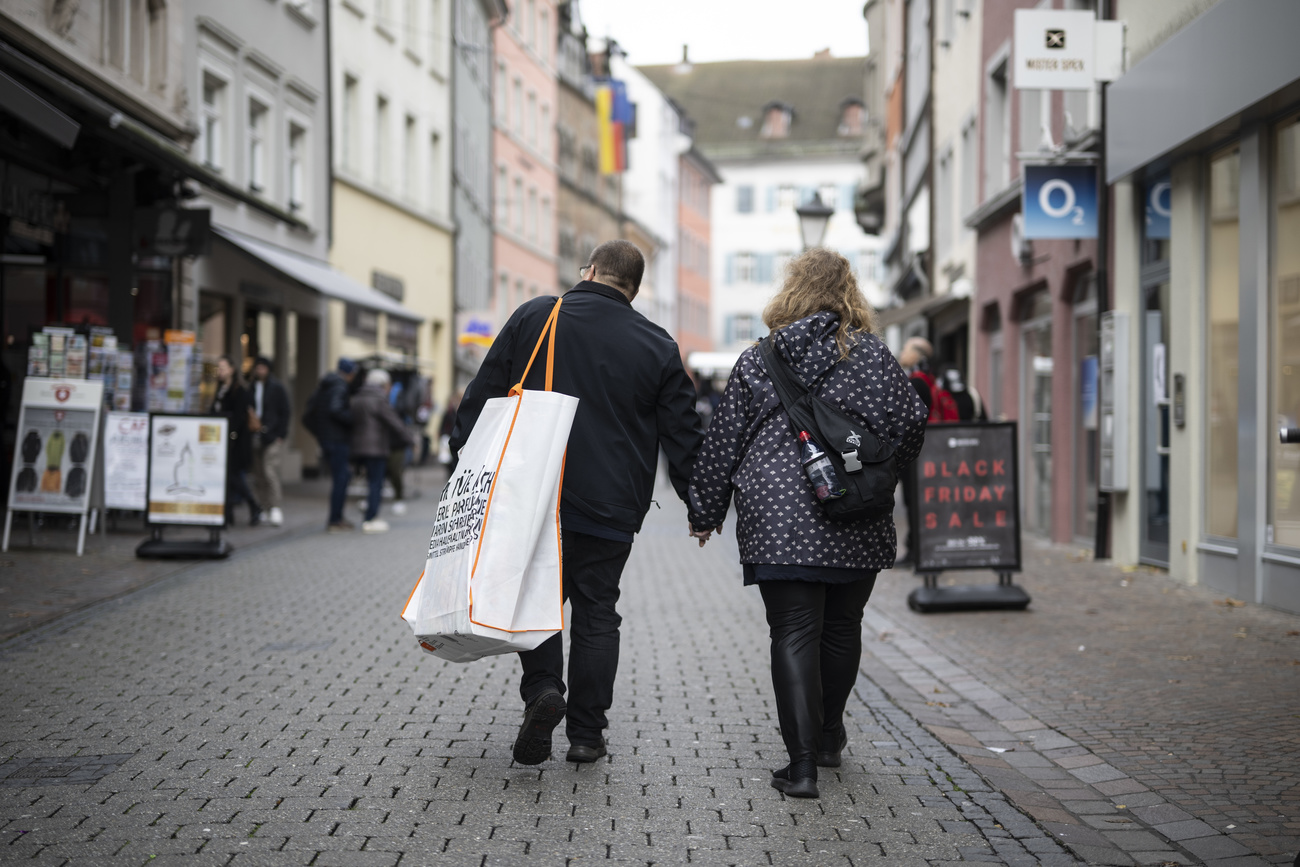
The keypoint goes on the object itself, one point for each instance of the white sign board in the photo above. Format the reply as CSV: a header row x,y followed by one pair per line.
x,y
126,460
55,452
1054,49
187,470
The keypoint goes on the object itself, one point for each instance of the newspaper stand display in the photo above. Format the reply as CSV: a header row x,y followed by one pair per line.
x,y
186,485
967,516
54,458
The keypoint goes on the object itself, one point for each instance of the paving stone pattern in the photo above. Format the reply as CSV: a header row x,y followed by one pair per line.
x,y
1140,720
273,709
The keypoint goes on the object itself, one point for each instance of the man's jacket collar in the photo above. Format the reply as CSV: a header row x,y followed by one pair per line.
x,y
601,289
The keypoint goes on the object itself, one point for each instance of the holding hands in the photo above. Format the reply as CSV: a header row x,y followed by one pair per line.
x,y
703,535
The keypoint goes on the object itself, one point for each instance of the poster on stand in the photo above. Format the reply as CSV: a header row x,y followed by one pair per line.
x,y
187,470
126,460
967,504
55,451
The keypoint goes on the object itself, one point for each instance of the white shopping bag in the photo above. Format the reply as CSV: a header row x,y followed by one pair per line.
x,y
493,579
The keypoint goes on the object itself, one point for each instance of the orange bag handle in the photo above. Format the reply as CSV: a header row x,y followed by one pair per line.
x,y
548,334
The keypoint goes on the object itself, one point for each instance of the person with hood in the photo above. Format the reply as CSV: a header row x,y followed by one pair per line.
x,y
815,574
329,418
376,428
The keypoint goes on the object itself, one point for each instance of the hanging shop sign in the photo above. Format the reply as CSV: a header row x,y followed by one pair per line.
x,y
967,504
126,460
187,470
1054,49
54,457
1059,201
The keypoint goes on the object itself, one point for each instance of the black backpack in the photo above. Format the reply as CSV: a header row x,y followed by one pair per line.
x,y
312,411
865,463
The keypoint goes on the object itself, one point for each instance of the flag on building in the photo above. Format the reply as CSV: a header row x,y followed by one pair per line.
x,y
614,116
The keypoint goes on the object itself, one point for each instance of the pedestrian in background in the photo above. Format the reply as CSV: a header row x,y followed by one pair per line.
x,y
634,399
375,430
272,408
231,400
815,575
329,418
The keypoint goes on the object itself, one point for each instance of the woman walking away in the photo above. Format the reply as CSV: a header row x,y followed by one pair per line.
x,y
375,430
815,574
232,401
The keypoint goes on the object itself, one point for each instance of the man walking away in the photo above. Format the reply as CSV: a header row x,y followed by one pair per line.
x,y
329,418
271,405
634,398
375,430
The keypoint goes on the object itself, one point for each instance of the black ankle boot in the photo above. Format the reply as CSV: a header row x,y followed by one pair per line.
x,y
830,747
797,779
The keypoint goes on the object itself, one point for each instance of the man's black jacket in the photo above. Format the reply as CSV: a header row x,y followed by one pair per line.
x,y
329,412
633,397
276,411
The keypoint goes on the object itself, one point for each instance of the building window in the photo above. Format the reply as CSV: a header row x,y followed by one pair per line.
x,y
544,142
351,122
943,216
519,206
532,118
997,132
403,335
297,168
257,146
435,33
383,145
969,170
115,23
435,173
852,117
544,232
543,36
157,45
517,103
743,328
410,146
1035,120
530,23
503,197
501,93
744,268
776,121
1284,463
411,26
532,214
214,127
745,199
1222,286
361,323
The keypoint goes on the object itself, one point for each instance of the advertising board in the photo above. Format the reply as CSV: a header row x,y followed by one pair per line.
x,y
967,504
187,470
126,460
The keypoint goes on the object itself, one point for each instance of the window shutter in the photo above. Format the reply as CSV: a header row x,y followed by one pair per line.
x,y
729,329
764,268
771,199
731,267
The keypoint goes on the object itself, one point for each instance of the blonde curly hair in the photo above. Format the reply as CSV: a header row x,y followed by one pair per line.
x,y
817,281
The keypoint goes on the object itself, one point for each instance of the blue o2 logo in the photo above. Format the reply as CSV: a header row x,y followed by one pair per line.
x,y
1060,202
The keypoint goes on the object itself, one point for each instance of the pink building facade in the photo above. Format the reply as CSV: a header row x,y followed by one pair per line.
x,y
525,187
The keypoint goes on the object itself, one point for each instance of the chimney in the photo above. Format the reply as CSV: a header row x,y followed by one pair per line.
x,y
685,66
686,57
824,54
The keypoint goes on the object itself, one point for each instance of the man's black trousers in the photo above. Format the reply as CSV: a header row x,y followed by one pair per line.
x,y
592,568
816,631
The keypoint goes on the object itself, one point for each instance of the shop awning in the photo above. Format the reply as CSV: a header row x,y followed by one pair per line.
x,y
926,305
712,363
316,275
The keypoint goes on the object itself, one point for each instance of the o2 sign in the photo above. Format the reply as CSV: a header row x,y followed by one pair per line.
x,y
1060,202
1159,207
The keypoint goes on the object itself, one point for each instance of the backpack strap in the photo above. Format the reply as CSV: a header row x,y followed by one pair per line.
x,y
788,388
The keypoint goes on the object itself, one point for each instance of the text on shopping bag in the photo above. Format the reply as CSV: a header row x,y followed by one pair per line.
x,y
459,520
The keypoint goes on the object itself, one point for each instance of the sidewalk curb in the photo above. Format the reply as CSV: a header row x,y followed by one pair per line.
x,y
1102,814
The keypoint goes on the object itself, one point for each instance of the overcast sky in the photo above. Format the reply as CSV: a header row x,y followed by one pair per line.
x,y
653,32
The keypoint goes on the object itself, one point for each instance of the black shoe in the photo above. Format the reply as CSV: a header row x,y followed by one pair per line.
x,y
797,782
903,561
587,753
832,744
543,714
255,518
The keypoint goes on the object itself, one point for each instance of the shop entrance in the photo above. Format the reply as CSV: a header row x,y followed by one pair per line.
x,y
1155,425
1037,368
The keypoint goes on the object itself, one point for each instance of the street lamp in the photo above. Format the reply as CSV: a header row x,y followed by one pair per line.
x,y
813,219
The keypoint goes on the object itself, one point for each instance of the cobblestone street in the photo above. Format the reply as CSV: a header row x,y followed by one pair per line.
x,y
273,709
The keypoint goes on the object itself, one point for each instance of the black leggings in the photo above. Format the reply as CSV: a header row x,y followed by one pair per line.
x,y
816,647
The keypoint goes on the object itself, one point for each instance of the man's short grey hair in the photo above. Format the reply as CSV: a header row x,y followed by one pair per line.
x,y
621,263
378,377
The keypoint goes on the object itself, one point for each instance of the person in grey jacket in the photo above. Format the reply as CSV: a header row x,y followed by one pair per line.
x,y
815,574
375,425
